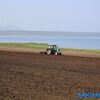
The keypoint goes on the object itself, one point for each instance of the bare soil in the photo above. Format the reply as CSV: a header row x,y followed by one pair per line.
x,y
64,52
34,76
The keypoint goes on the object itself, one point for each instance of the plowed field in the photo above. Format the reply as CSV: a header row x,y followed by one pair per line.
x,y
33,76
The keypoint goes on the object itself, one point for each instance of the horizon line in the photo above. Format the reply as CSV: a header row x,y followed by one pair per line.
x,y
46,31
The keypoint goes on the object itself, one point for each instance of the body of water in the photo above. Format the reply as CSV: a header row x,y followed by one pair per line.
x,y
83,42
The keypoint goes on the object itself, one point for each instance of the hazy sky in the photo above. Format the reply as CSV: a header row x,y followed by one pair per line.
x,y
51,15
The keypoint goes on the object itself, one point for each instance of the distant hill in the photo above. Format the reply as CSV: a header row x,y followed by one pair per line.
x,y
47,33
9,28
14,30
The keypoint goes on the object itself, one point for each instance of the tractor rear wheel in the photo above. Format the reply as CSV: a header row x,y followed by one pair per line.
x,y
48,52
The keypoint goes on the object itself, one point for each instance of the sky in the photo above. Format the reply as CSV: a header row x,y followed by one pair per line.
x,y
50,15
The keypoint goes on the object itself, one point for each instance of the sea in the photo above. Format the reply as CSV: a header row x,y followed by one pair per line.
x,y
80,40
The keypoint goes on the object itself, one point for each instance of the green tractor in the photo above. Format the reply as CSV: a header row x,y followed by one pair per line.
x,y
53,49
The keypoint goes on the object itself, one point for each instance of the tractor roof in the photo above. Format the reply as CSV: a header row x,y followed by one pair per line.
x,y
53,45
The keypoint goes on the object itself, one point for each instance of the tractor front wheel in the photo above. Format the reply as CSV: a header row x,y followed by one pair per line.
x,y
56,53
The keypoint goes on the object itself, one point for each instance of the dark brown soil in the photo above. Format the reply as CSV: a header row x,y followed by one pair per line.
x,y
33,76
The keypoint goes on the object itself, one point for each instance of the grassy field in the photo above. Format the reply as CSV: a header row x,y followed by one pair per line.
x,y
44,46
81,50
26,45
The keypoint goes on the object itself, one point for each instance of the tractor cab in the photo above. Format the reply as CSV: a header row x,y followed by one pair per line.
x,y
53,47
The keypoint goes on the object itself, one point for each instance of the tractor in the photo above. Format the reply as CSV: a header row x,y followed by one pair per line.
x,y
53,49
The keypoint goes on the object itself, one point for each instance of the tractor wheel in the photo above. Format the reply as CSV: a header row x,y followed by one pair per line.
x,y
48,52
60,53
56,53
